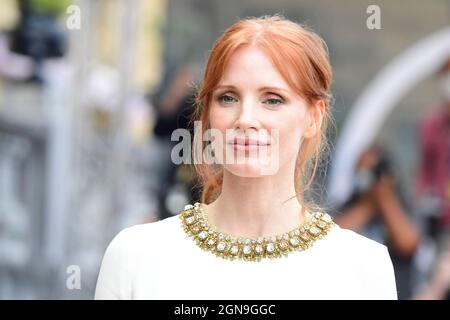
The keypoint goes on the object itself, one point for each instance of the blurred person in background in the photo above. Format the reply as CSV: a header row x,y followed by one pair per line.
x,y
434,172
375,209
433,190
173,107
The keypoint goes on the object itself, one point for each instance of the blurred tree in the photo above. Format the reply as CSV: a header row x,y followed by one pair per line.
x,y
52,7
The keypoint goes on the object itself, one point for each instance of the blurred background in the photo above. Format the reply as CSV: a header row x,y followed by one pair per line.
x,y
91,90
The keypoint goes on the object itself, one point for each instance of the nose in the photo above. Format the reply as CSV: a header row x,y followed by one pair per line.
x,y
247,118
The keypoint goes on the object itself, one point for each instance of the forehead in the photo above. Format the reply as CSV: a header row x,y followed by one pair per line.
x,y
251,66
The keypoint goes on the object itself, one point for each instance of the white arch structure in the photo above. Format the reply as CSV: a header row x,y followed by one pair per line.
x,y
377,101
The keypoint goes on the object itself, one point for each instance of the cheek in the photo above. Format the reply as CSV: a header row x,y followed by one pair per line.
x,y
219,119
290,134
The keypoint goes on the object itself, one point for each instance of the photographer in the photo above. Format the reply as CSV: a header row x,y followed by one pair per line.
x,y
375,210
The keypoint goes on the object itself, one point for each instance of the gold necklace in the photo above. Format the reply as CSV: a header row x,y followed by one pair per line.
x,y
196,225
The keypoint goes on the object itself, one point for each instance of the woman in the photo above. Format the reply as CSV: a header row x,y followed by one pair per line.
x,y
253,236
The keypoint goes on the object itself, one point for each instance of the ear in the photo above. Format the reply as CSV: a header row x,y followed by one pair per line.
x,y
316,112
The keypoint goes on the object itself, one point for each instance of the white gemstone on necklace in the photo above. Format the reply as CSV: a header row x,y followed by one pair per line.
x,y
321,224
221,246
314,230
294,241
270,247
202,235
247,249
190,220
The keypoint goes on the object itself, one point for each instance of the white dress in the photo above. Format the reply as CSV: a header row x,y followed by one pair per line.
x,y
159,260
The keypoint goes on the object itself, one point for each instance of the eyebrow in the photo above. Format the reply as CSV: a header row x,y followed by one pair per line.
x,y
265,88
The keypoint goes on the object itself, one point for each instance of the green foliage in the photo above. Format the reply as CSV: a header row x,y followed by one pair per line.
x,y
52,7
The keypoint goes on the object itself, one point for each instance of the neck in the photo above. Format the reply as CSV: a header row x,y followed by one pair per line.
x,y
256,207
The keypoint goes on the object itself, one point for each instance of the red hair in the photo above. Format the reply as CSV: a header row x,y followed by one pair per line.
x,y
302,59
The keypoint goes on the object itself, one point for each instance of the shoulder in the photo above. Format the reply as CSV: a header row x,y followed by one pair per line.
x,y
123,256
359,249
356,242
138,235
368,259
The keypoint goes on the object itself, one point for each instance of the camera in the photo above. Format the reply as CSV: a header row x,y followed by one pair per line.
x,y
365,179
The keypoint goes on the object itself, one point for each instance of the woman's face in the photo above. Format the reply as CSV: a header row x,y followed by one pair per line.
x,y
253,101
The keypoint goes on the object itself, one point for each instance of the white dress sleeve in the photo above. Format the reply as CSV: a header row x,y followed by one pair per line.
x,y
379,277
113,280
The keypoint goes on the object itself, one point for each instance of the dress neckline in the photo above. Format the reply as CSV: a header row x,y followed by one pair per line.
x,y
196,225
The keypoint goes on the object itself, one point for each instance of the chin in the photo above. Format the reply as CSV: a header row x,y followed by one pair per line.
x,y
251,165
250,169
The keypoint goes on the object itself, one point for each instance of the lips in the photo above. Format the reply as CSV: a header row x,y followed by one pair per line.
x,y
247,142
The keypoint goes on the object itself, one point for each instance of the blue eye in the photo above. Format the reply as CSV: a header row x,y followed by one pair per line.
x,y
273,101
227,99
